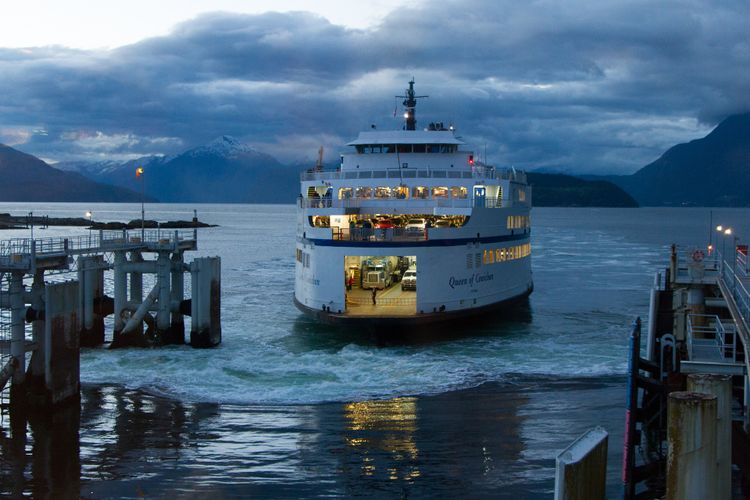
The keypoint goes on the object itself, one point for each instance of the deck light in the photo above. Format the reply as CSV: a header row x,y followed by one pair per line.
x,y
719,228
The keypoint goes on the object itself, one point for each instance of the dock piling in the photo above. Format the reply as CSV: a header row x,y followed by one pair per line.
x,y
691,436
205,330
721,387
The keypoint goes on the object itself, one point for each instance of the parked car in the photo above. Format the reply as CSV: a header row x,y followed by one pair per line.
x,y
409,281
442,223
416,225
384,224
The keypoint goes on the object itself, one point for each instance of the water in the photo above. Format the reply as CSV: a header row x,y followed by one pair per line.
x,y
286,407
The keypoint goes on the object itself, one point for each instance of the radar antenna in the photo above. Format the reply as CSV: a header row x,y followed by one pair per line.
x,y
410,102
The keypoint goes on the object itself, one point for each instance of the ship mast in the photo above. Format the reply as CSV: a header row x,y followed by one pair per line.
x,y
410,102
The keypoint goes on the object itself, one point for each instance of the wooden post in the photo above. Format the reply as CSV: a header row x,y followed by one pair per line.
x,y
581,468
691,437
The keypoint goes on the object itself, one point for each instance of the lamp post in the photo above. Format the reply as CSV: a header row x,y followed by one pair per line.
x,y
725,231
89,216
139,175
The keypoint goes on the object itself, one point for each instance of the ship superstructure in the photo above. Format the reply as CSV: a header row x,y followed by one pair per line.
x,y
411,203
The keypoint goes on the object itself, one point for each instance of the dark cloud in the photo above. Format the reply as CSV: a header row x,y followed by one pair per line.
x,y
582,86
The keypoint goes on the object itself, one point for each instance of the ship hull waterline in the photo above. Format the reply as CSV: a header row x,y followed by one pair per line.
x,y
402,322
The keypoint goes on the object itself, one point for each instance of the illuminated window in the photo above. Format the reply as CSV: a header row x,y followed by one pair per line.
x,y
345,193
382,192
440,192
364,192
420,192
400,192
458,192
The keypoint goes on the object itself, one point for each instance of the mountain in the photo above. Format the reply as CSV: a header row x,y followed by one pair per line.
x,y
712,171
27,178
559,190
222,171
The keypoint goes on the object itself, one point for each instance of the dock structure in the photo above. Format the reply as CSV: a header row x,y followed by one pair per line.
x,y
44,312
698,331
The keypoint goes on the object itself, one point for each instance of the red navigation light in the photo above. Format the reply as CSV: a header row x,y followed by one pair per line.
x,y
471,159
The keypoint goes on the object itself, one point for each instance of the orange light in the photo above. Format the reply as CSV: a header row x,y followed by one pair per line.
x,y
139,171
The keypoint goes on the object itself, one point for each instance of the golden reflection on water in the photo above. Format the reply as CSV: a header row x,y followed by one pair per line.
x,y
374,427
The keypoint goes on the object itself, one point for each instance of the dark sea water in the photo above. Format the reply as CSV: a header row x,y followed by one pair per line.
x,y
288,408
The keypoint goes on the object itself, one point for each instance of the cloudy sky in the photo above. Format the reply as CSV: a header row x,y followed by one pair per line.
x,y
578,86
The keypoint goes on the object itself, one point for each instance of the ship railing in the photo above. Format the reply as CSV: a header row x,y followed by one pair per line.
x,y
380,234
382,301
711,339
475,172
360,203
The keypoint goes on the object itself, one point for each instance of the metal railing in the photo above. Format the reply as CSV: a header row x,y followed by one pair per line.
x,y
708,339
476,172
100,240
412,202
375,234
384,301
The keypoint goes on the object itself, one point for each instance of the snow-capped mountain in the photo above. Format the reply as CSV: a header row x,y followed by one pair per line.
x,y
225,146
225,170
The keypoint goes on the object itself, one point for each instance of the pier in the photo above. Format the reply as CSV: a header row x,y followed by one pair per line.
x,y
54,300
688,411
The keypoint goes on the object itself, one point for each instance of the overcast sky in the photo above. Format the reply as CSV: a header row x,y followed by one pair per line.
x,y
583,87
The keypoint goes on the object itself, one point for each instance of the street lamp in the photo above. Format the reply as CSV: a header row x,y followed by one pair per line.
x,y
139,175
725,232
89,216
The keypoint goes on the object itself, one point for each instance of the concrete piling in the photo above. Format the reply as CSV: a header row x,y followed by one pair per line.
x,y
61,332
691,438
176,331
17,327
721,387
205,330
91,293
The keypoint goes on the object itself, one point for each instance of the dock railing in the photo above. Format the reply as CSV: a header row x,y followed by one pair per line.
x,y
708,339
22,253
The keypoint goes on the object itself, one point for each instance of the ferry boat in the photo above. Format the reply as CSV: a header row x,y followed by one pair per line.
x,y
411,228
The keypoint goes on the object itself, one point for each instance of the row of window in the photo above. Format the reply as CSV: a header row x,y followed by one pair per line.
x,y
403,192
518,221
492,256
406,148
303,258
